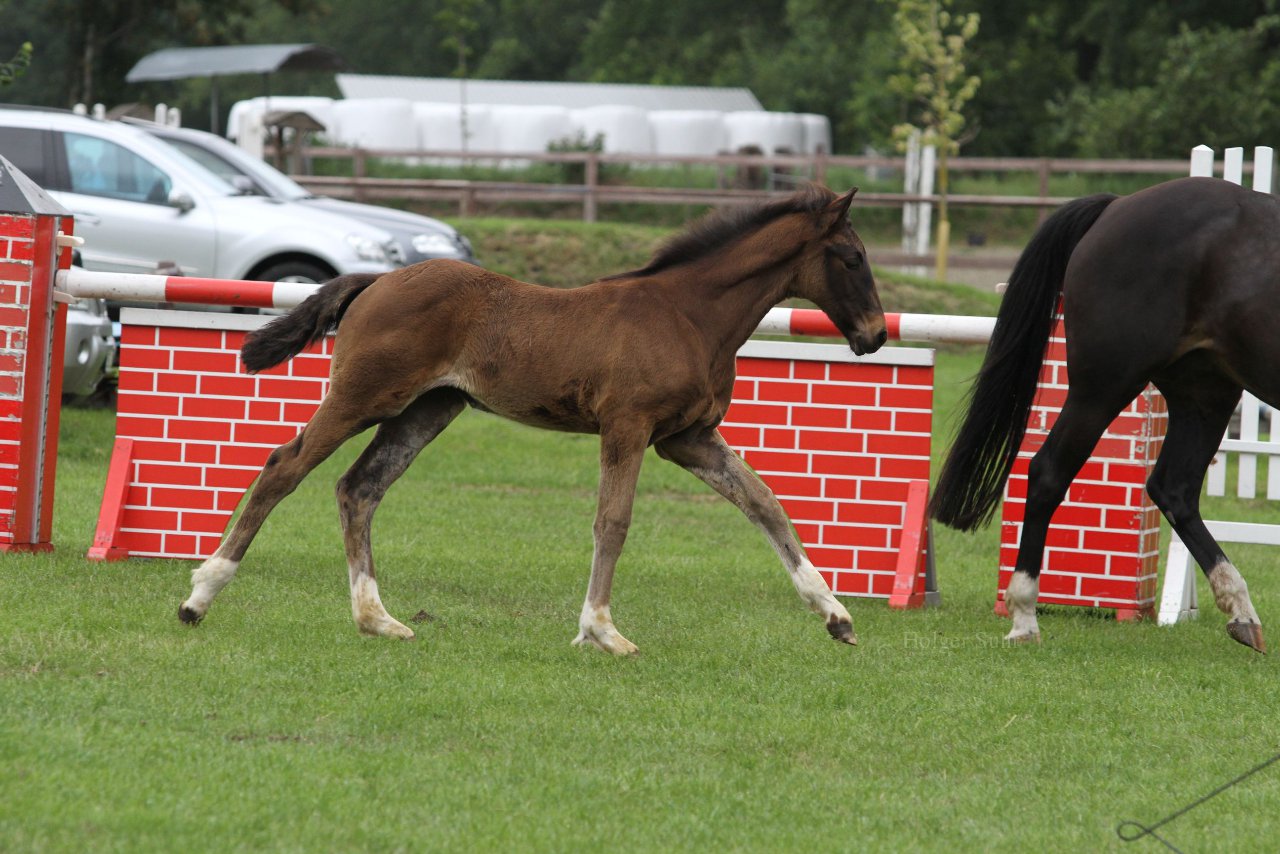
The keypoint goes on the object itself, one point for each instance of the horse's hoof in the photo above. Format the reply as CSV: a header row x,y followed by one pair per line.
x,y
842,631
1022,637
1249,634
189,615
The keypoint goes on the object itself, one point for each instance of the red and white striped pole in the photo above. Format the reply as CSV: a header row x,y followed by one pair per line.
x,y
81,283
779,321
948,328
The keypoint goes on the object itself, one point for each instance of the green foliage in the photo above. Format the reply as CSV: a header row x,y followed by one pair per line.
x,y
14,68
457,20
1213,85
88,46
1059,77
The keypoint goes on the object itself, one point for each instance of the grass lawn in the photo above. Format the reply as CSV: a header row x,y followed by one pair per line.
x,y
741,726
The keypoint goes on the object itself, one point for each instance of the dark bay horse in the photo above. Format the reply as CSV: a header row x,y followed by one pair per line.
x,y
1179,285
642,358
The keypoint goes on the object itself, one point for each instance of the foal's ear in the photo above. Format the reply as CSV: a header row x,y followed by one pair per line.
x,y
836,212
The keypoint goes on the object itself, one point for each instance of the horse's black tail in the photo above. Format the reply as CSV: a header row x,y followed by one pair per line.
x,y
290,334
1000,401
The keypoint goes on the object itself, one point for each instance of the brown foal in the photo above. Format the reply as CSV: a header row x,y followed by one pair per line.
x,y
641,358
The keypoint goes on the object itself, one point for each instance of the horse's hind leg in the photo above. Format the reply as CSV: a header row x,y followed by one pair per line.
x,y
362,488
1084,417
1200,406
704,454
333,423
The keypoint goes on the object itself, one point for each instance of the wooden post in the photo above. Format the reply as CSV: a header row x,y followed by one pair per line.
x,y
589,201
359,170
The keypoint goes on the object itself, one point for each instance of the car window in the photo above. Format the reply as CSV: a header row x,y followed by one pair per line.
x,y
99,167
24,148
215,164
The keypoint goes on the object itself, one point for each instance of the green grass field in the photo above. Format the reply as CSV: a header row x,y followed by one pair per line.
x,y
741,726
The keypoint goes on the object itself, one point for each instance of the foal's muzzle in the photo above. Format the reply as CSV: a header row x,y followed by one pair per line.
x,y
868,337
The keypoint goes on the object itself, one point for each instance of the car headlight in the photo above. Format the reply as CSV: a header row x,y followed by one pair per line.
x,y
366,248
434,243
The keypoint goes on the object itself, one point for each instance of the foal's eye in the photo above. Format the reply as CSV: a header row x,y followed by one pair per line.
x,y
853,262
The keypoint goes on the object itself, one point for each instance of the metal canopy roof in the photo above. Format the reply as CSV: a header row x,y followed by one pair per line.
x,y
176,63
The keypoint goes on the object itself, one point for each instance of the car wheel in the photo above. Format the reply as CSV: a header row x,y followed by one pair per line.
x,y
295,271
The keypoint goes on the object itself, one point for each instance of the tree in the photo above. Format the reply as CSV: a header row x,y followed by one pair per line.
x,y
456,18
1213,85
12,69
88,46
934,78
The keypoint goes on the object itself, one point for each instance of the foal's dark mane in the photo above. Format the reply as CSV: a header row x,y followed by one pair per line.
x,y
713,231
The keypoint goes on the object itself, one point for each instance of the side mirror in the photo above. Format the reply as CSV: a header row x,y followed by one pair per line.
x,y
181,200
244,185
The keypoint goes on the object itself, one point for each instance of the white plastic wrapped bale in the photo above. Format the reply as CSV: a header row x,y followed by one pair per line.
x,y
772,133
524,129
817,133
384,124
688,133
625,130
440,128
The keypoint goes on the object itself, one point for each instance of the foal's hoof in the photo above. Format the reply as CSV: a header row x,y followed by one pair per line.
x,y
609,641
191,618
842,630
387,628
1249,634
1022,637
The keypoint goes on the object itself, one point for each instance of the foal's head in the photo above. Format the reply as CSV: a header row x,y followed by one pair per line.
x,y
834,272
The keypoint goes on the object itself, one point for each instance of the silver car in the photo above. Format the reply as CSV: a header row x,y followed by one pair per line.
x,y
138,201
420,237
90,349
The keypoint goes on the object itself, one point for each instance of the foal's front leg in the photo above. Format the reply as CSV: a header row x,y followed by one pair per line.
x,y
621,454
703,453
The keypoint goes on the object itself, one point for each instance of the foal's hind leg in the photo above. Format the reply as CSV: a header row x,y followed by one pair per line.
x,y
704,454
1200,406
361,489
332,425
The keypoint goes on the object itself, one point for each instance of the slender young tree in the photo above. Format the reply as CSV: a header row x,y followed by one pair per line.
x,y
934,79
457,18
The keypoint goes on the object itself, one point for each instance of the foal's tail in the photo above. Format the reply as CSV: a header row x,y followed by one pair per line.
x,y
290,334
1000,401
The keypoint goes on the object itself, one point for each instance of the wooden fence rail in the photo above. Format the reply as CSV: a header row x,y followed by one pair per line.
x,y
741,178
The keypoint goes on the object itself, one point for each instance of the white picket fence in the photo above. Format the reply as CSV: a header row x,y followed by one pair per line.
x,y
1178,600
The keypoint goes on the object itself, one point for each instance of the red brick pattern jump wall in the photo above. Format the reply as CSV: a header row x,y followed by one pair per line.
x,y
839,439
1103,545
202,428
